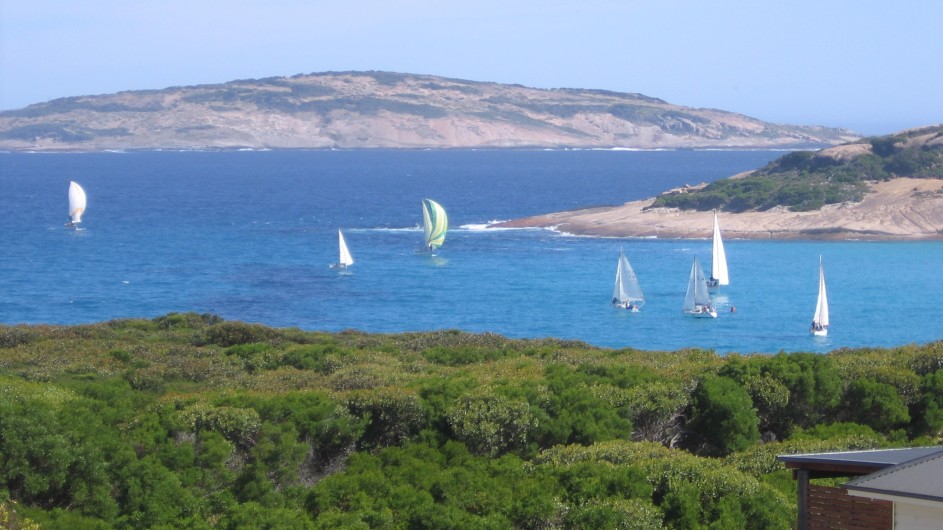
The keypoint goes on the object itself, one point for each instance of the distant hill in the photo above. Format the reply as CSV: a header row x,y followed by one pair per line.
x,y
386,110
806,180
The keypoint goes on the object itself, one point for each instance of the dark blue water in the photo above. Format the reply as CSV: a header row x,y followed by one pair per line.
x,y
249,236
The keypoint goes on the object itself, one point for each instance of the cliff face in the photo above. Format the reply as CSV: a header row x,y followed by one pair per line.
x,y
385,110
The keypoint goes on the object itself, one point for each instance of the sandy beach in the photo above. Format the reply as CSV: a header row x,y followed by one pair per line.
x,y
899,209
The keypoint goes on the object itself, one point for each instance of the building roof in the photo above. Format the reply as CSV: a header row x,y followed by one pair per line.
x,y
917,479
857,462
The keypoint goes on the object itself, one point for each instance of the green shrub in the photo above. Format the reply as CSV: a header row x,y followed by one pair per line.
x,y
491,425
875,404
227,334
238,425
722,418
392,415
186,321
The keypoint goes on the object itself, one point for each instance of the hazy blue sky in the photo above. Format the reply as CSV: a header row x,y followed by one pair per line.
x,y
874,67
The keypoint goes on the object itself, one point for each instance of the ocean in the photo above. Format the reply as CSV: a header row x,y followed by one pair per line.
x,y
249,236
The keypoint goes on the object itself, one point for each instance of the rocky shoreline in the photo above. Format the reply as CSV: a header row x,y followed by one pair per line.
x,y
901,209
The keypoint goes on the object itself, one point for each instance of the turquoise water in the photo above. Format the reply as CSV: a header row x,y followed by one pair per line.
x,y
249,236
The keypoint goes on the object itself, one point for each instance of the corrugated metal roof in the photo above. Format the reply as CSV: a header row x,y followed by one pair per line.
x,y
919,478
877,457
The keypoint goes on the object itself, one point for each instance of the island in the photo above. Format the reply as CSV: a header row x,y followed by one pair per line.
x,y
882,188
387,110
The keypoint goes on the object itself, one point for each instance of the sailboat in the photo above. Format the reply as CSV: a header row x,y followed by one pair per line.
x,y
719,274
345,260
435,224
820,320
627,293
697,300
76,204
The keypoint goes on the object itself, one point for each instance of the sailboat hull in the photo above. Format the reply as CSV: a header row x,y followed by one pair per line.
x,y
630,306
820,332
702,313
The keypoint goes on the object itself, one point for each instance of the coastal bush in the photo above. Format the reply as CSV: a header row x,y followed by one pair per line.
x,y
657,410
418,486
722,418
257,356
255,515
875,404
321,423
590,481
575,414
628,514
491,425
691,492
13,336
128,424
928,411
788,391
237,424
391,415
190,321
325,358
456,356
227,334
244,351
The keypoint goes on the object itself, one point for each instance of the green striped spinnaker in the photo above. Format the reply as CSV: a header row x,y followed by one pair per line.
x,y
435,223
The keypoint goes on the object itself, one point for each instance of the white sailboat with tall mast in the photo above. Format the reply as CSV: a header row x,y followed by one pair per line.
x,y
697,300
627,293
820,319
435,223
345,259
719,274
77,203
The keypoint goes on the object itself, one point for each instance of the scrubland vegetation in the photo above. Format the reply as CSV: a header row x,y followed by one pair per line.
x,y
804,181
188,421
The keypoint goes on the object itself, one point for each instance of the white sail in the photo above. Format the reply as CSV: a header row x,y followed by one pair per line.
x,y
435,224
719,275
345,260
697,300
626,292
820,319
76,203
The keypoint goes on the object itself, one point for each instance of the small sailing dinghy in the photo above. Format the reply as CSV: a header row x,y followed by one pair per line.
x,y
697,300
820,319
345,260
627,293
77,203
719,275
435,224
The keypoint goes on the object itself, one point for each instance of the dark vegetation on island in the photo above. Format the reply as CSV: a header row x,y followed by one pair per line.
x,y
808,180
189,421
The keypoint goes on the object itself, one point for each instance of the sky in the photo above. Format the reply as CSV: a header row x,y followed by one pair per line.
x,y
873,67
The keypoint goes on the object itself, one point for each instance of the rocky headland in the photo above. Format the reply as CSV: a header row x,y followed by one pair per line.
x,y
901,209
892,208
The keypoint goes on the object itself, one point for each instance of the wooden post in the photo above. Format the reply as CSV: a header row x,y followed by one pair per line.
x,y
802,484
